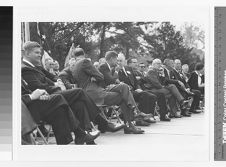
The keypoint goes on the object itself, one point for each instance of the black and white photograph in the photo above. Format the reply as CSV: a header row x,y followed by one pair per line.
x,y
113,83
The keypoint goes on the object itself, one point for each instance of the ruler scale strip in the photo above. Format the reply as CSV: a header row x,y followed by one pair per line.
x,y
220,84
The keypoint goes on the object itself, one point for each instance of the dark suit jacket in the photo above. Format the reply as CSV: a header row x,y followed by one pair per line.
x,y
153,80
169,78
67,78
40,109
129,78
179,76
109,77
82,72
193,81
38,78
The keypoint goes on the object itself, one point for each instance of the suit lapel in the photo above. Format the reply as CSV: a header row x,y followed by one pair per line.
x,y
33,68
130,77
24,85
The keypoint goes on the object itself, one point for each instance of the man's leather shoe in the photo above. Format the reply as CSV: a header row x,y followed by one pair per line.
x,y
165,118
94,133
85,138
91,143
150,120
185,114
142,123
171,115
196,111
111,128
145,115
177,115
184,104
132,130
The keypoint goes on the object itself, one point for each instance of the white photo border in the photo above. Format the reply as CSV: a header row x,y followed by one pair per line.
x,y
78,13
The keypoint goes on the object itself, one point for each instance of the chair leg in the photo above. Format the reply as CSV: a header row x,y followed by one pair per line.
x,y
43,138
117,116
49,131
93,126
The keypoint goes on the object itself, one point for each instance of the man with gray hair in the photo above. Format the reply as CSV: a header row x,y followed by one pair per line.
x,y
185,71
155,84
196,94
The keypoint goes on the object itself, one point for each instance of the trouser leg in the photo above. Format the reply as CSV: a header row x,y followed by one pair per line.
x,y
146,101
114,98
74,95
61,128
196,100
173,89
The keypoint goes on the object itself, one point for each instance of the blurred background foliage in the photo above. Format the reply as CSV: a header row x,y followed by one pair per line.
x,y
143,40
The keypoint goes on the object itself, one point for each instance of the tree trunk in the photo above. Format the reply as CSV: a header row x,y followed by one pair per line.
x,y
127,52
102,50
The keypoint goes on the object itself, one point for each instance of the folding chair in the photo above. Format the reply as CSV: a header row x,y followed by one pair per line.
x,y
115,112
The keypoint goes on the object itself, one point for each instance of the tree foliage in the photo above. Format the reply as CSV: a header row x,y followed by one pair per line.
x,y
96,38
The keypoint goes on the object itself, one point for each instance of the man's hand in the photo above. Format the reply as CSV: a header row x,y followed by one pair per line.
x,y
38,93
139,90
93,79
60,84
188,90
44,97
117,81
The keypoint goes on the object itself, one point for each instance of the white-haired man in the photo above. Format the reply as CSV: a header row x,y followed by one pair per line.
x,y
155,85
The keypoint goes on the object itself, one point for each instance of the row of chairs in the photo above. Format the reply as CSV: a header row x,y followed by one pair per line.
x,y
108,112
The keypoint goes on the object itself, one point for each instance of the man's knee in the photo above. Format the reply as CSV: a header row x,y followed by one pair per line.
x,y
57,97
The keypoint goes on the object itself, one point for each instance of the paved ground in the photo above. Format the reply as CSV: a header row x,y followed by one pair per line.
x,y
183,139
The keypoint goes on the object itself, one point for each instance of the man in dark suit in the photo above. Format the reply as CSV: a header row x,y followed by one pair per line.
x,y
78,100
170,77
146,100
196,94
89,78
154,83
138,76
112,83
195,80
54,110
66,75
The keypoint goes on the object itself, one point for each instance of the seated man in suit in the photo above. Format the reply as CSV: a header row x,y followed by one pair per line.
x,y
146,100
78,100
160,97
66,75
89,78
54,110
155,84
195,80
190,92
170,77
185,72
